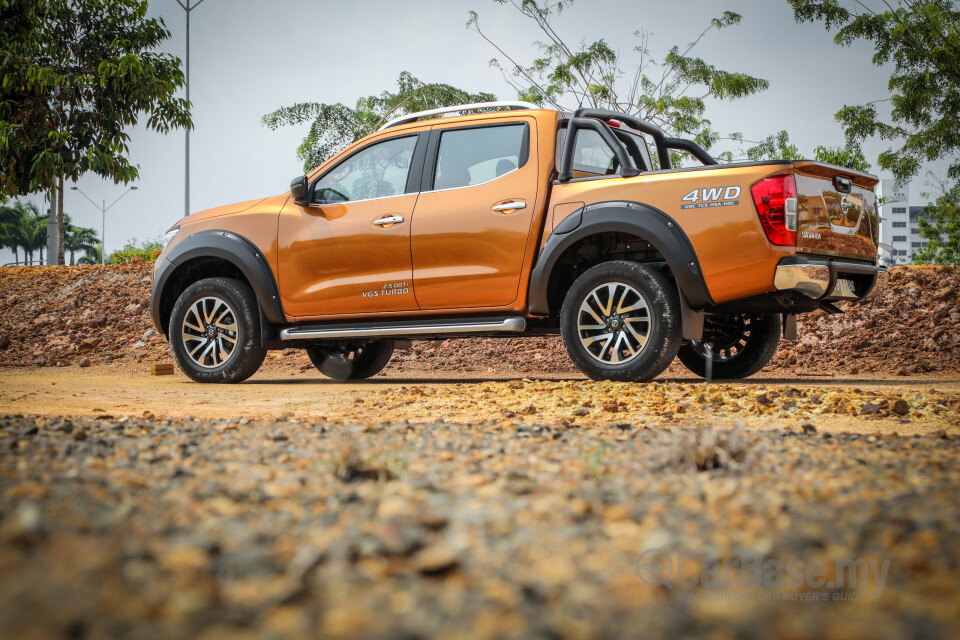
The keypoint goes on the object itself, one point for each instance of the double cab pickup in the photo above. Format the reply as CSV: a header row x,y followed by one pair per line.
x,y
507,219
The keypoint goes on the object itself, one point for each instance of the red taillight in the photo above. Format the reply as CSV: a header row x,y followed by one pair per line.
x,y
776,200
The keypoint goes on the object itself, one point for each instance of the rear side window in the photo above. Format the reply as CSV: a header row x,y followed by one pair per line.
x,y
377,171
468,157
592,155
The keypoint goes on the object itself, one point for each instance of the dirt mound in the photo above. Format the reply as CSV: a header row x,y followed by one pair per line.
x,y
53,316
907,325
60,316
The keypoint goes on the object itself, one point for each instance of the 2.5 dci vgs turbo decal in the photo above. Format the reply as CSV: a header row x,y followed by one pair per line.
x,y
389,289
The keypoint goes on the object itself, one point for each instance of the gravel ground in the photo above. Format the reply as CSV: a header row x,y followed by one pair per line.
x,y
149,528
895,405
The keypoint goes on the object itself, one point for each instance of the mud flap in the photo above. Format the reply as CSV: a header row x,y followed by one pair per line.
x,y
789,326
269,333
691,322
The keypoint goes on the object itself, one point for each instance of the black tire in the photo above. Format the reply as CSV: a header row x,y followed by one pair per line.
x,y
352,360
242,313
658,320
741,344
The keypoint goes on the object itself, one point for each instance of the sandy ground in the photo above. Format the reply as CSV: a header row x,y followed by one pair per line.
x,y
762,402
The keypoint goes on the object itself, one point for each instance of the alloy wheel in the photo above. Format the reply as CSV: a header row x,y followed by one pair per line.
x,y
209,332
614,323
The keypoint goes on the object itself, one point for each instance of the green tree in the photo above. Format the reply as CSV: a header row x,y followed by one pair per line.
x,y
921,38
775,147
90,256
23,226
941,229
136,251
79,239
76,74
779,147
671,92
334,126
18,26
9,236
843,157
147,246
33,225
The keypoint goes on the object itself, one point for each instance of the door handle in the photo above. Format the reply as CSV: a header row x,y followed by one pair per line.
x,y
388,221
509,206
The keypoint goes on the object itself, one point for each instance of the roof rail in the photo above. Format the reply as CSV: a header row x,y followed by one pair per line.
x,y
413,117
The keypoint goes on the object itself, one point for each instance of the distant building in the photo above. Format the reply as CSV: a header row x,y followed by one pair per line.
x,y
899,226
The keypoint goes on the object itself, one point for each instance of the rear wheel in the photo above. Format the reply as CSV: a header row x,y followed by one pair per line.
x,y
352,360
739,345
621,321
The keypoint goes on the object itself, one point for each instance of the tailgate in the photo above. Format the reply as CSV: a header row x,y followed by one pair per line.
x,y
836,211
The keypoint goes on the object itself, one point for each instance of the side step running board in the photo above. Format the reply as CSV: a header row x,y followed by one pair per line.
x,y
406,329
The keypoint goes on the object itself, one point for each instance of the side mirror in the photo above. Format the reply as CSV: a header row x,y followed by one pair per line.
x,y
298,189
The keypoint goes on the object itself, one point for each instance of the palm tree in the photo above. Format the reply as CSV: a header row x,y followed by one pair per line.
x,y
22,226
35,231
91,255
78,238
8,236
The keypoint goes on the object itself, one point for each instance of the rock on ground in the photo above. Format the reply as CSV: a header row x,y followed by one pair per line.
x,y
146,528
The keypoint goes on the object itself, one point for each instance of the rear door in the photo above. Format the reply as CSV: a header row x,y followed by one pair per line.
x,y
836,212
473,217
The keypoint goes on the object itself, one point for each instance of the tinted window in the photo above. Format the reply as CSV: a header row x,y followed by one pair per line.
x,y
473,156
375,172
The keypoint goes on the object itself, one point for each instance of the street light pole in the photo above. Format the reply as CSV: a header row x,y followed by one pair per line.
x,y
186,186
103,218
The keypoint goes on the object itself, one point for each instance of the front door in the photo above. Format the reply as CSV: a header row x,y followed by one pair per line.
x,y
471,225
348,252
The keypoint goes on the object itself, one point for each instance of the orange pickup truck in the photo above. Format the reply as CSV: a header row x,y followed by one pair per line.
x,y
507,219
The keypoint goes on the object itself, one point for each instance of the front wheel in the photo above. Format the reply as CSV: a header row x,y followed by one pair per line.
x,y
215,331
352,360
739,345
621,321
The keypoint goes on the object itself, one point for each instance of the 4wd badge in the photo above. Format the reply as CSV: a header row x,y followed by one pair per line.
x,y
713,197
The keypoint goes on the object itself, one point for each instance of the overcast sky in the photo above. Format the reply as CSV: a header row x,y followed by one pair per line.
x,y
249,57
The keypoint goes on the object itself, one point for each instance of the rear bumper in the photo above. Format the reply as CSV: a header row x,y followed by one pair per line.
x,y
817,278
